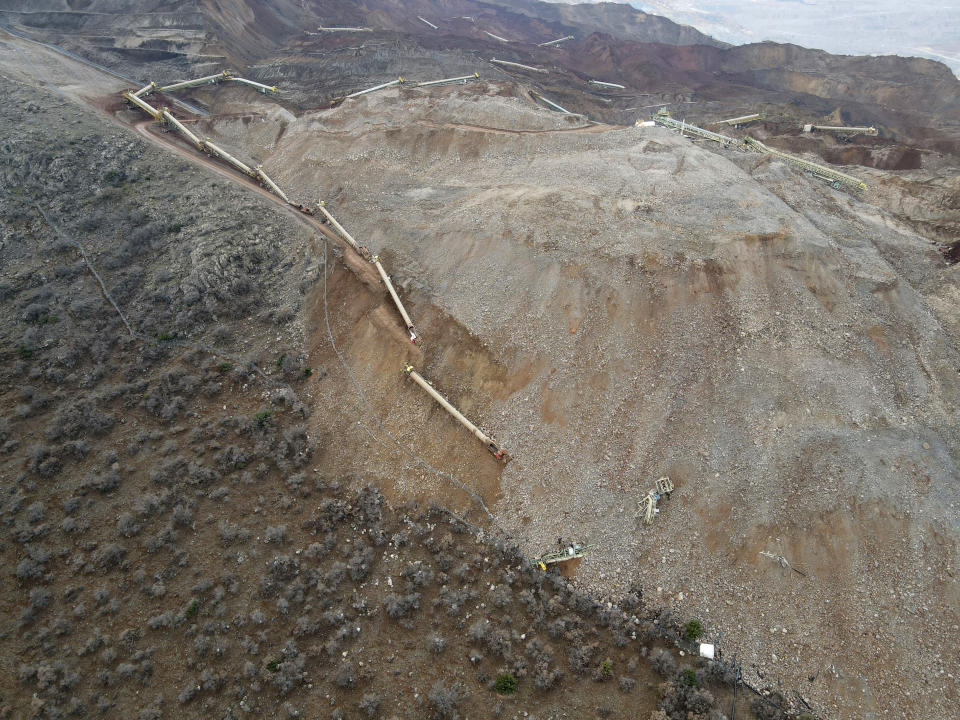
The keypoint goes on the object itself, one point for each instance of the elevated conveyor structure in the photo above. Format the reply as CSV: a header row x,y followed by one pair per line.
x,y
742,120
841,130
462,80
495,450
554,43
662,118
530,68
550,103
834,177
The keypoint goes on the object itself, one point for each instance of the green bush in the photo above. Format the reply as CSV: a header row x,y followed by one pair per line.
x,y
164,336
506,684
224,367
192,608
688,676
606,668
274,665
261,419
693,630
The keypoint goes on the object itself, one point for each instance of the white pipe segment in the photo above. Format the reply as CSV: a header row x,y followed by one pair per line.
x,y
271,184
145,90
464,79
182,128
229,158
223,75
427,22
259,86
608,84
154,113
398,81
552,104
396,298
555,42
496,37
344,29
343,233
518,65
477,432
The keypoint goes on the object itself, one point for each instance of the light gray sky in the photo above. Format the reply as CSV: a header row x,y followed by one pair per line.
x,y
852,27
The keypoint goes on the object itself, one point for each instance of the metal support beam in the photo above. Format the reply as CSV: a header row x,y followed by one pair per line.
x,y
498,452
507,63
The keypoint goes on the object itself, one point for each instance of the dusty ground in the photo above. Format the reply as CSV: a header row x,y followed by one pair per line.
x,y
622,304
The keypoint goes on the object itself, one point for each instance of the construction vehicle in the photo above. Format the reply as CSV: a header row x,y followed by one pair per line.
x,y
498,452
571,552
840,130
836,178
663,118
663,488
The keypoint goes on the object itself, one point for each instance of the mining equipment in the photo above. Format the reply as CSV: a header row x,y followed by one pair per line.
x,y
571,552
462,80
836,178
663,118
663,488
498,452
739,121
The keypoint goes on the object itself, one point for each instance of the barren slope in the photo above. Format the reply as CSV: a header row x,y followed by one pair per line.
x,y
641,306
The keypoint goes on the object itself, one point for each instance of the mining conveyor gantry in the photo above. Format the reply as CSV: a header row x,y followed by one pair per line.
x,y
375,259
498,452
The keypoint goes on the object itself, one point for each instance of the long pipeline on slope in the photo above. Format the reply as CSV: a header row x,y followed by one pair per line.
x,y
498,452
